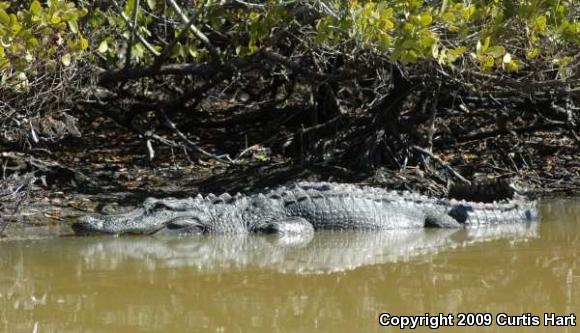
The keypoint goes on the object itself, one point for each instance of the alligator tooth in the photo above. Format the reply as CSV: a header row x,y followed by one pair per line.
x,y
211,196
225,196
199,197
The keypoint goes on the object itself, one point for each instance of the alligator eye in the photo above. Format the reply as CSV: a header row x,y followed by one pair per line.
x,y
159,205
154,207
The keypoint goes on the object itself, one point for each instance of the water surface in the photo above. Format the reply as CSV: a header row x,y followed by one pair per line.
x,y
334,282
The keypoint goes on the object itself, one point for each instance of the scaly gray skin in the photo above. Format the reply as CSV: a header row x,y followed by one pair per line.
x,y
303,208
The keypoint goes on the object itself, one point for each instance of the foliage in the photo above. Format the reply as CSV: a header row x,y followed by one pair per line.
x,y
36,39
324,56
41,44
492,34
488,33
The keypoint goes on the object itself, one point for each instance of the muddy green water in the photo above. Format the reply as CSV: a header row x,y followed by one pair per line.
x,y
335,282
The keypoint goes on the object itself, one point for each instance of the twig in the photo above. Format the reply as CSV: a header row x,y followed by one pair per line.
x,y
127,20
132,35
200,35
26,184
202,70
167,50
478,135
249,4
298,68
192,144
440,161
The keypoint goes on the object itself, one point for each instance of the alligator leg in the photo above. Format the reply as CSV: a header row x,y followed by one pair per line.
x,y
286,226
182,226
441,220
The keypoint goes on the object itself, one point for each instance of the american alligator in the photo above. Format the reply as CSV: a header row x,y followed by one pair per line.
x,y
303,208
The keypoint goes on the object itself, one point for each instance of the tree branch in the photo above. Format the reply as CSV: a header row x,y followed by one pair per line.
x,y
200,35
132,36
167,50
127,20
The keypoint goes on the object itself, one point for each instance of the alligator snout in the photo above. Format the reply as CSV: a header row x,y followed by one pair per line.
x,y
138,222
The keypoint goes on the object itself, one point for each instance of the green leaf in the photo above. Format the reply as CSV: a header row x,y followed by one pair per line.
x,y
55,19
496,51
51,65
32,43
66,59
84,44
409,57
152,4
409,44
455,53
103,47
129,7
73,26
540,23
193,52
486,43
448,18
15,26
35,8
425,19
488,63
4,18
514,65
138,51
533,53
468,12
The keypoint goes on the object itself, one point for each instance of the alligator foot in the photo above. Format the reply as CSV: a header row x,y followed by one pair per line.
x,y
440,220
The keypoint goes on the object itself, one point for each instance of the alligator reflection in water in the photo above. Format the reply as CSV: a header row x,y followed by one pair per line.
x,y
325,252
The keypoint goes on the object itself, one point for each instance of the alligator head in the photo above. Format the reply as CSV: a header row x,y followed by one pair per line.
x,y
145,220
